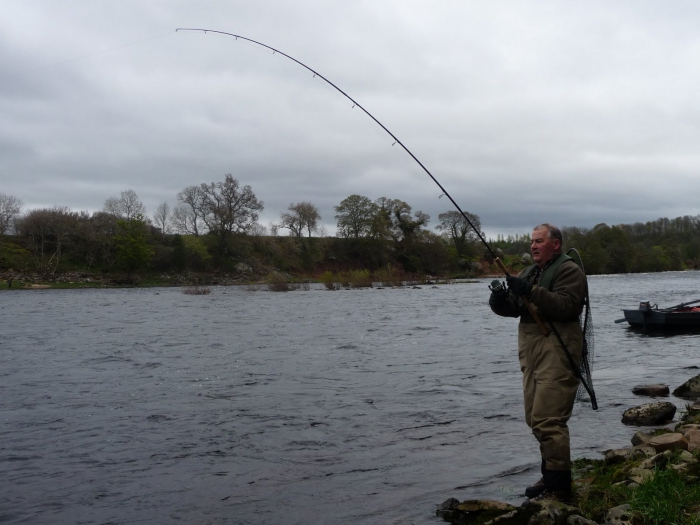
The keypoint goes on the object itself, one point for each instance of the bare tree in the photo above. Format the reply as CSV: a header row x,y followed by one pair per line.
x,y
10,208
161,218
190,213
300,217
127,206
463,236
221,208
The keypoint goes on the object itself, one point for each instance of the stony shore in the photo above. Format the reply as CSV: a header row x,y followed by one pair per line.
x,y
606,490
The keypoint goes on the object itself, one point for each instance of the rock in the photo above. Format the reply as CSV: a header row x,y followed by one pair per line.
x,y
673,441
640,438
639,475
579,520
621,515
650,414
619,455
469,511
693,437
550,512
658,459
690,389
658,390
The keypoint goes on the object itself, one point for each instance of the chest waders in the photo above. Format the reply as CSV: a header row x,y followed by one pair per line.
x,y
583,372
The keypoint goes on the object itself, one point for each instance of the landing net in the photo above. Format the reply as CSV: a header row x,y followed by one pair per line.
x,y
588,353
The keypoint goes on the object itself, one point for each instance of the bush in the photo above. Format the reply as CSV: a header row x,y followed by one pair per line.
x,y
328,280
276,282
196,290
360,279
389,276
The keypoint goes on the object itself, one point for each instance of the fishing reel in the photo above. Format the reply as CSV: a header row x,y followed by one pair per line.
x,y
498,289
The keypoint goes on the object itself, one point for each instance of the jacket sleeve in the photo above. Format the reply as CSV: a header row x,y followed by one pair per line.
x,y
565,301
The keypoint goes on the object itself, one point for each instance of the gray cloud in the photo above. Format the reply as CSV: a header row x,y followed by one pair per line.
x,y
526,112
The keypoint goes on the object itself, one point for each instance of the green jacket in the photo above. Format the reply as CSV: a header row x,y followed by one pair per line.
x,y
558,293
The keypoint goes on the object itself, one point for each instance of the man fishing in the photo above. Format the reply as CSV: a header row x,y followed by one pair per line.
x,y
556,289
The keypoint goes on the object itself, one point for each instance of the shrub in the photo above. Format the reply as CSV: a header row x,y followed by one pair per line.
x,y
276,282
360,279
328,280
196,290
389,276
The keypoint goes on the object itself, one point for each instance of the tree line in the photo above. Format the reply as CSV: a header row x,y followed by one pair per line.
x,y
214,228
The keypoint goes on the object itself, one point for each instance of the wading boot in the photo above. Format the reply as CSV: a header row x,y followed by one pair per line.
x,y
557,487
538,488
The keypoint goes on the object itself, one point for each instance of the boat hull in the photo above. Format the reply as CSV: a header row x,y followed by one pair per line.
x,y
660,319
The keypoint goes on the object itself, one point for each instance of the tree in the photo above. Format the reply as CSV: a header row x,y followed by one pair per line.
x,y
188,216
127,206
131,244
355,215
161,218
462,235
300,217
228,208
10,208
46,232
396,216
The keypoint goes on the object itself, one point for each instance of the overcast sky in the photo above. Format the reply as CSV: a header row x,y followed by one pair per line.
x,y
574,113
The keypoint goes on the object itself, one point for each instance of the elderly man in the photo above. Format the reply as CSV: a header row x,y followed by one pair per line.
x,y
556,288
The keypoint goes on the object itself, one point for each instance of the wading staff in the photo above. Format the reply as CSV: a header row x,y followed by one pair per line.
x,y
498,261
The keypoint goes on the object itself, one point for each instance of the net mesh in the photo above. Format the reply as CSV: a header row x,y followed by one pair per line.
x,y
588,352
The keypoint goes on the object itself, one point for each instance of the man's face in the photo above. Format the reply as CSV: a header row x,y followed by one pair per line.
x,y
543,247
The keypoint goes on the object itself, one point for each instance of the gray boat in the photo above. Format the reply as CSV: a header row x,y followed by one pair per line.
x,y
682,316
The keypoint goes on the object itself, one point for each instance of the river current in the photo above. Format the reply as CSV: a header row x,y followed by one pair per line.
x,y
364,406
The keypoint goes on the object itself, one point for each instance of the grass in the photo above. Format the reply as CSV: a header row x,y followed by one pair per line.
x,y
667,498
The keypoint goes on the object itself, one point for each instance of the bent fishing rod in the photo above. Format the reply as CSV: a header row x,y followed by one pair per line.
x,y
497,260
357,104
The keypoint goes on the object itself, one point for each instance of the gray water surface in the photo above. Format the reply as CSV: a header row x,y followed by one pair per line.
x,y
356,406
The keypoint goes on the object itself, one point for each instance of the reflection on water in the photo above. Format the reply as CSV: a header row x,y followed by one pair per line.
x,y
361,406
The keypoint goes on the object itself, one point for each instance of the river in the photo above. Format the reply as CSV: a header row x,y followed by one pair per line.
x,y
126,406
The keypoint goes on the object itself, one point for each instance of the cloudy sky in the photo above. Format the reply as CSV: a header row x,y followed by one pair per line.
x,y
575,113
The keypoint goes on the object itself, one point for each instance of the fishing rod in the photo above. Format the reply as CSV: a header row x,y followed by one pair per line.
x,y
497,260
355,103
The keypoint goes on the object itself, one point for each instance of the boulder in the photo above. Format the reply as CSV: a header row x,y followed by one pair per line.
x,y
640,475
673,441
621,515
690,389
658,413
651,390
469,511
618,455
640,438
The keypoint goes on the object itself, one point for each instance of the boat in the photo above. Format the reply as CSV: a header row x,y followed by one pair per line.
x,y
681,316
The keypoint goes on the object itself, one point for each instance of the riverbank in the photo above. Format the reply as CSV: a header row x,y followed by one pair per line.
x,y
655,481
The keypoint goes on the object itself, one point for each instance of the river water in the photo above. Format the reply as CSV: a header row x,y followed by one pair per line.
x,y
356,406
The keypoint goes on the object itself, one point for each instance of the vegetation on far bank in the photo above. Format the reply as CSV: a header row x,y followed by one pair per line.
x,y
212,237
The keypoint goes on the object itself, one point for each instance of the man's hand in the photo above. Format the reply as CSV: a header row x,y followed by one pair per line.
x,y
519,286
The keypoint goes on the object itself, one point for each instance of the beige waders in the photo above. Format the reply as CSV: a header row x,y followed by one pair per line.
x,y
549,388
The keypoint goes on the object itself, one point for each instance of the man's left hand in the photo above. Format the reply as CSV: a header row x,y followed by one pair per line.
x,y
519,286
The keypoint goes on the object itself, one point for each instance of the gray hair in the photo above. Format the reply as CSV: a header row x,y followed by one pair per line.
x,y
552,231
